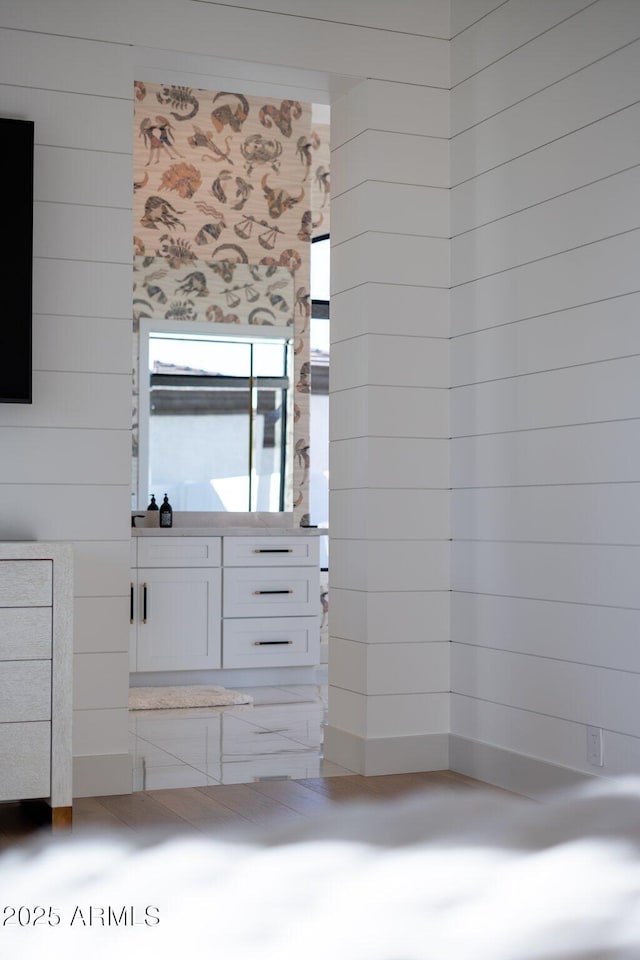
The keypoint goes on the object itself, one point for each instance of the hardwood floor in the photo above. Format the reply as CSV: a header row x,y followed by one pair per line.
x,y
194,810
204,810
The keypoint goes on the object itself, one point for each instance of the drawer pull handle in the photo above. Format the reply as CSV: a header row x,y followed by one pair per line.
x,y
131,604
144,603
258,593
270,643
273,550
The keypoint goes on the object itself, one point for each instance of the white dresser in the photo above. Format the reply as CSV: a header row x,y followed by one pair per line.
x,y
36,649
228,603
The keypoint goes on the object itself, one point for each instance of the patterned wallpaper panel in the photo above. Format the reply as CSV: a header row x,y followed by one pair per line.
x,y
239,293
321,182
228,191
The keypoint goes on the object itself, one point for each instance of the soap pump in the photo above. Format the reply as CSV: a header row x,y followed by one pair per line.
x,y
166,513
153,515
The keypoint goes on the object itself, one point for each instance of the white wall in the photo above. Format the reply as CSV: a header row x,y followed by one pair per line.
x,y
389,428
70,66
65,459
545,403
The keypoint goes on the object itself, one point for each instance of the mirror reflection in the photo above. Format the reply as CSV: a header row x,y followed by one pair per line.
x,y
215,421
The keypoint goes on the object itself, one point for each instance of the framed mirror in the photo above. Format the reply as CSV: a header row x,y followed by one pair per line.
x,y
216,417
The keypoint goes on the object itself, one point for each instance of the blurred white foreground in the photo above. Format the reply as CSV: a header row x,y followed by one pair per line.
x,y
442,876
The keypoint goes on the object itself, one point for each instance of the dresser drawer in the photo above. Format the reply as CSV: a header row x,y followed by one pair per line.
x,y
270,551
272,642
31,776
179,551
26,583
270,592
25,633
25,690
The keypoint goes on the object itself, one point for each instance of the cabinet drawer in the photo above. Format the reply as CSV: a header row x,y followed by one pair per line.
x,y
31,777
26,583
179,552
25,633
25,690
270,592
276,641
270,551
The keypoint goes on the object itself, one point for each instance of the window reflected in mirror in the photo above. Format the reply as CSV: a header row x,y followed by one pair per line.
x,y
217,436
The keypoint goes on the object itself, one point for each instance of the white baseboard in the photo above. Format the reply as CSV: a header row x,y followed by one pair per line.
x,y
384,755
111,774
101,776
517,772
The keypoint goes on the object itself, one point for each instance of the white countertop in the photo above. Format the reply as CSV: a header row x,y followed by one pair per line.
x,y
195,524
219,531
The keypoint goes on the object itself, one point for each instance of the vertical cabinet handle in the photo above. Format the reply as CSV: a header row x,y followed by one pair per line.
x,y
144,603
131,601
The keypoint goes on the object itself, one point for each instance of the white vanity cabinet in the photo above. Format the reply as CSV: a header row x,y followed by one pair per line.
x,y
35,674
224,603
271,602
175,604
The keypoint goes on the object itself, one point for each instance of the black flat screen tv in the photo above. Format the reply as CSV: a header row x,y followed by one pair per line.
x,y
16,139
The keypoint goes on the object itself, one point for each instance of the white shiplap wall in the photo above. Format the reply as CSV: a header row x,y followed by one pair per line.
x,y
545,366
389,427
64,469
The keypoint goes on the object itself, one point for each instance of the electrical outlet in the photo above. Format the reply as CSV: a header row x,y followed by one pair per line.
x,y
595,747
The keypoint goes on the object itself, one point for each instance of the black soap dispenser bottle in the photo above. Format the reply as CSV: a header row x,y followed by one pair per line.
x,y
152,513
166,513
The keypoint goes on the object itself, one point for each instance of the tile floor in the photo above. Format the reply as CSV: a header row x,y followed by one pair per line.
x,y
279,736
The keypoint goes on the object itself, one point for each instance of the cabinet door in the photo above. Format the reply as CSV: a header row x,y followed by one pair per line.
x,y
178,619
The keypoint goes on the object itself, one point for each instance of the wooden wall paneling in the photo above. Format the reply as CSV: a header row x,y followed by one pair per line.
x,y
82,232
601,89
62,456
515,52
584,453
100,344
416,514
570,691
579,335
596,391
389,462
571,573
424,313
391,411
69,400
578,513
561,631
597,271
600,149
580,217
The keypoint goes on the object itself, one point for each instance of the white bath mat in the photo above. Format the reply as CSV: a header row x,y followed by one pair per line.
x,y
172,698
